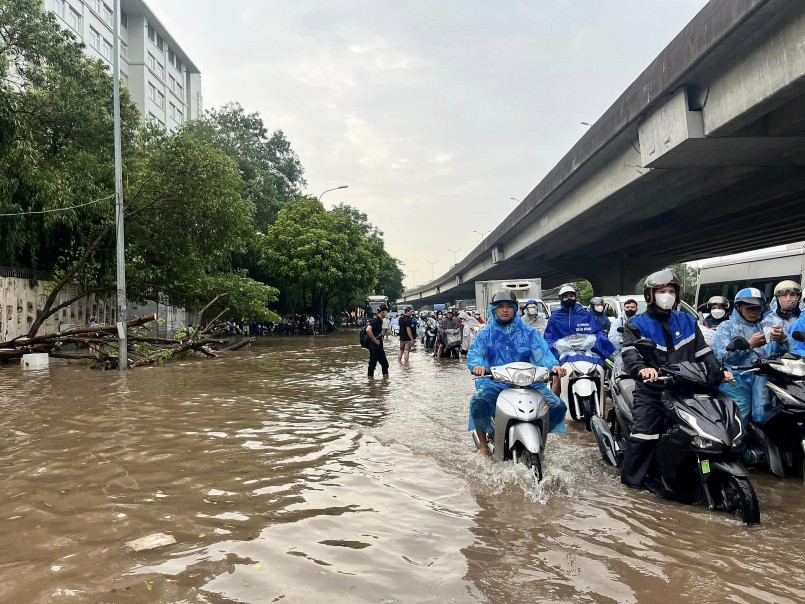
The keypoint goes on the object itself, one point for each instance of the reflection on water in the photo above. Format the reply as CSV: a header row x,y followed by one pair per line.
x,y
284,474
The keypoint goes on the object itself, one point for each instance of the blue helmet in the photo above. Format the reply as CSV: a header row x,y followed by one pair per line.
x,y
530,302
750,296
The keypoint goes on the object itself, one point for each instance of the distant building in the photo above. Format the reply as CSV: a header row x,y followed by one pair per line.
x,y
161,79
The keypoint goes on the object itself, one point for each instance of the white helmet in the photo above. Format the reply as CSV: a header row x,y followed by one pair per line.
x,y
566,289
787,286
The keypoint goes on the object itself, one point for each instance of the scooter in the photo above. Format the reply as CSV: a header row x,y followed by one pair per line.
x,y
581,386
780,442
520,425
699,458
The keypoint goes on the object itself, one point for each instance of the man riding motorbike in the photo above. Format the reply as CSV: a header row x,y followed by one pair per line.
x,y
571,318
532,318
505,340
787,294
766,338
678,338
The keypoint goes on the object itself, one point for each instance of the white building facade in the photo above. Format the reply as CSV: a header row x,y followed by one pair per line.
x,y
161,79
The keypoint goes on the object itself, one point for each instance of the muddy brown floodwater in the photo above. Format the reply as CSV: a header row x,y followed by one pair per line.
x,y
285,476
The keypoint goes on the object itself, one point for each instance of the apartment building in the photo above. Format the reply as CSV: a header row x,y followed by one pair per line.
x,y
160,77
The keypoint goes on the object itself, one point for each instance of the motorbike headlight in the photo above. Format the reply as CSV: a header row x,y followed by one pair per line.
x,y
694,423
523,377
702,443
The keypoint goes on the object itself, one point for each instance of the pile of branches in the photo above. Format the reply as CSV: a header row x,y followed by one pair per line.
x,y
100,345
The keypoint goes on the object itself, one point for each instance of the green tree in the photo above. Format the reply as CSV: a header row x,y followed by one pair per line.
x,y
584,290
318,256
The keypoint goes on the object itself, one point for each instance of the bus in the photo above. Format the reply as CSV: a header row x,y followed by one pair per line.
x,y
762,272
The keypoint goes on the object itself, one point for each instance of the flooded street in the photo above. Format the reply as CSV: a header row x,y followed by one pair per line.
x,y
285,476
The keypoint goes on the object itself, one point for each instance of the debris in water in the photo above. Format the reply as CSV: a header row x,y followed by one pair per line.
x,y
151,542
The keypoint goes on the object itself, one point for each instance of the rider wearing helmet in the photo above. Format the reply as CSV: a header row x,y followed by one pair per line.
x,y
598,309
532,318
505,340
717,307
787,295
678,338
766,338
571,318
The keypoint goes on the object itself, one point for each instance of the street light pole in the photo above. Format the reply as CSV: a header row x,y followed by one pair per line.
x,y
333,189
454,254
515,199
413,275
432,272
122,310
482,234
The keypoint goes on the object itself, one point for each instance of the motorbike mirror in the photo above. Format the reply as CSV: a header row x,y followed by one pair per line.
x,y
620,330
645,345
799,336
738,343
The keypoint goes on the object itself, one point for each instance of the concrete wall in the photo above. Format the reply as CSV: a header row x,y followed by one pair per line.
x,y
21,299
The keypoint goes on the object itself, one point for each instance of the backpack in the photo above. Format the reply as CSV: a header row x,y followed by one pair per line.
x,y
363,337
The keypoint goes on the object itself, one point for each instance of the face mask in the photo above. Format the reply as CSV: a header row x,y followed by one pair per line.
x,y
665,301
630,313
531,310
599,308
569,303
718,313
787,303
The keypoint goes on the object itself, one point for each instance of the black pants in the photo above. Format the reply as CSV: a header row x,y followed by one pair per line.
x,y
650,421
378,355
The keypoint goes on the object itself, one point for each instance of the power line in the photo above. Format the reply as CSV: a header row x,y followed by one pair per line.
x,y
81,205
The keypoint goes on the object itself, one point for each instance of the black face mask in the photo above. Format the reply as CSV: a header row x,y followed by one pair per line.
x,y
569,303
630,313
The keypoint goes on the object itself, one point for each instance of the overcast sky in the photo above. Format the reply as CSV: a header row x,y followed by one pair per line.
x,y
434,112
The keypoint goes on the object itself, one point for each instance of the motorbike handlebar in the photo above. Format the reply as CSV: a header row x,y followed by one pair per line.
x,y
743,367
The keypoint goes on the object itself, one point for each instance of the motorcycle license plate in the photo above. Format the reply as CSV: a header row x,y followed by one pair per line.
x,y
705,466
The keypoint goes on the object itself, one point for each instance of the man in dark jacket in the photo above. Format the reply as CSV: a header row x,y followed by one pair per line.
x,y
376,352
678,338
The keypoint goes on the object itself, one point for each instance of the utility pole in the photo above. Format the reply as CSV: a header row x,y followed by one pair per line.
x,y
122,310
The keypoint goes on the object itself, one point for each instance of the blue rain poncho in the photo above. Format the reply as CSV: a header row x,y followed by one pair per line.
x,y
568,321
749,390
799,347
496,345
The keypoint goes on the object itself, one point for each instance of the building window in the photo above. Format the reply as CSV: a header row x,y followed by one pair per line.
x,y
172,110
152,92
61,8
151,62
180,116
160,43
178,65
124,50
108,16
96,6
160,99
74,20
171,56
124,20
107,50
94,39
152,33
179,89
161,71
172,83
124,79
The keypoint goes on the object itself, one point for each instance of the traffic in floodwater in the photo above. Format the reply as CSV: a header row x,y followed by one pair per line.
x,y
284,474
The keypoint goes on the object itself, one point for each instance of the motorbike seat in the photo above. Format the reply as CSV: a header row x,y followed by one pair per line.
x,y
627,390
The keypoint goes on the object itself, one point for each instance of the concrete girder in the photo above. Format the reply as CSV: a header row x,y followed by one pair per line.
x,y
614,274
761,79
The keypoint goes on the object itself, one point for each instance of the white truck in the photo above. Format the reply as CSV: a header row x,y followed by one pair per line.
x,y
524,289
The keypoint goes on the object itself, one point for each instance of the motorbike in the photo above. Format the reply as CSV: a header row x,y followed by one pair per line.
x,y
779,443
520,424
452,343
581,386
699,458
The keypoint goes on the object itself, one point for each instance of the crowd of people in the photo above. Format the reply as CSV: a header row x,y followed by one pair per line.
x,y
511,334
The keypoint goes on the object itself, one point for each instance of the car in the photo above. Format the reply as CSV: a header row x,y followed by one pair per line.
x,y
615,306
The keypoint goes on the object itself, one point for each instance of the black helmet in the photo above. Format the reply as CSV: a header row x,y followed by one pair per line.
x,y
718,300
660,279
503,295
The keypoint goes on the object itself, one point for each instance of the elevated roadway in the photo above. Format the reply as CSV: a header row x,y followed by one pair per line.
x,y
703,155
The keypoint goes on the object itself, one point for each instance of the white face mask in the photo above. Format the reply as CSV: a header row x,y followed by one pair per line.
x,y
531,310
787,303
665,301
718,313
599,308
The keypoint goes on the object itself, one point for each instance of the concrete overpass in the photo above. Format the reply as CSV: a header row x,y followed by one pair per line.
x,y
703,155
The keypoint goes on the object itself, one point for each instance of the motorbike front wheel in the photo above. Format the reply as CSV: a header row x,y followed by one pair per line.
x,y
738,497
530,460
587,411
